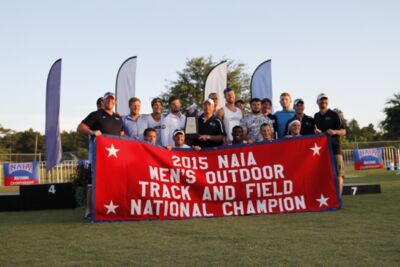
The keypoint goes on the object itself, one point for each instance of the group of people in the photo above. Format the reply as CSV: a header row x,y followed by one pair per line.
x,y
217,126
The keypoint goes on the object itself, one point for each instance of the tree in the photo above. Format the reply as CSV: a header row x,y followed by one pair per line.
x,y
353,131
75,143
391,124
368,133
25,142
5,139
189,86
344,120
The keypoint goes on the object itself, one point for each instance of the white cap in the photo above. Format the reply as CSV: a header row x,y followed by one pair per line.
x,y
178,131
209,100
191,107
320,96
297,101
293,122
106,95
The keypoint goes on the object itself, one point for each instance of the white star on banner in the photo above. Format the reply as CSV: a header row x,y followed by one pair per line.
x,y
323,201
112,151
315,149
111,207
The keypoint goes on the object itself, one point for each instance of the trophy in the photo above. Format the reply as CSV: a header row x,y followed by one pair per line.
x,y
191,127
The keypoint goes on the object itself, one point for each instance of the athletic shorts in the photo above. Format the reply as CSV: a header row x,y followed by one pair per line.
x,y
339,165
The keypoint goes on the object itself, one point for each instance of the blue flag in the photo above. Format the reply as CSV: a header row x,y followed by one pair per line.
x,y
261,81
53,138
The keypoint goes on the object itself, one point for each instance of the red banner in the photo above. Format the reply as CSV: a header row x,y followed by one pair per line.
x,y
135,181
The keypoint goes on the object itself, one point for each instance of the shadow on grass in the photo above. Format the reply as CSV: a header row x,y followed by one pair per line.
x,y
43,217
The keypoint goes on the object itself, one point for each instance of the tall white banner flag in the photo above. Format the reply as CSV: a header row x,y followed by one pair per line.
x,y
216,82
261,81
125,85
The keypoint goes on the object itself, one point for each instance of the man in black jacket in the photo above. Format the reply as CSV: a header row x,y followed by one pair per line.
x,y
307,122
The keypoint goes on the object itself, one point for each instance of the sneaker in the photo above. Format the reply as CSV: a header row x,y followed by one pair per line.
x,y
88,215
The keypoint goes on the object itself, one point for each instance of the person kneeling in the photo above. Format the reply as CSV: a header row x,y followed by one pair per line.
x,y
179,141
294,129
238,136
267,132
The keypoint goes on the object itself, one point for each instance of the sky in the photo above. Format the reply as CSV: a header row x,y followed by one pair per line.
x,y
349,50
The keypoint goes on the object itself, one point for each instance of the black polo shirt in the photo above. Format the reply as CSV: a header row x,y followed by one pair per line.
x,y
212,126
272,117
307,125
105,123
330,120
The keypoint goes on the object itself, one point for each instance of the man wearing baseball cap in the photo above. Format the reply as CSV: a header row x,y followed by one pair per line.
x,y
329,121
214,97
102,121
294,129
211,129
307,122
179,139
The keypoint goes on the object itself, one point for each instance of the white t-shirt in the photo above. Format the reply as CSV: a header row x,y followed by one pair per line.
x,y
183,146
169,124
231,119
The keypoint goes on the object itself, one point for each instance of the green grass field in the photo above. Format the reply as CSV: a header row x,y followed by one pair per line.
x,y
365,232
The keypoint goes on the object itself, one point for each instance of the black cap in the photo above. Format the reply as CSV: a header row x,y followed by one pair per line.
x,y
99,101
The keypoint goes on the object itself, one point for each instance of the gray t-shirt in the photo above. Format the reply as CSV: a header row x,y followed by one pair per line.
x,y
252,122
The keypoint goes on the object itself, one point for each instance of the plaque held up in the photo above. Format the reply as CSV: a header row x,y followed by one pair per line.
x,y
191,127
